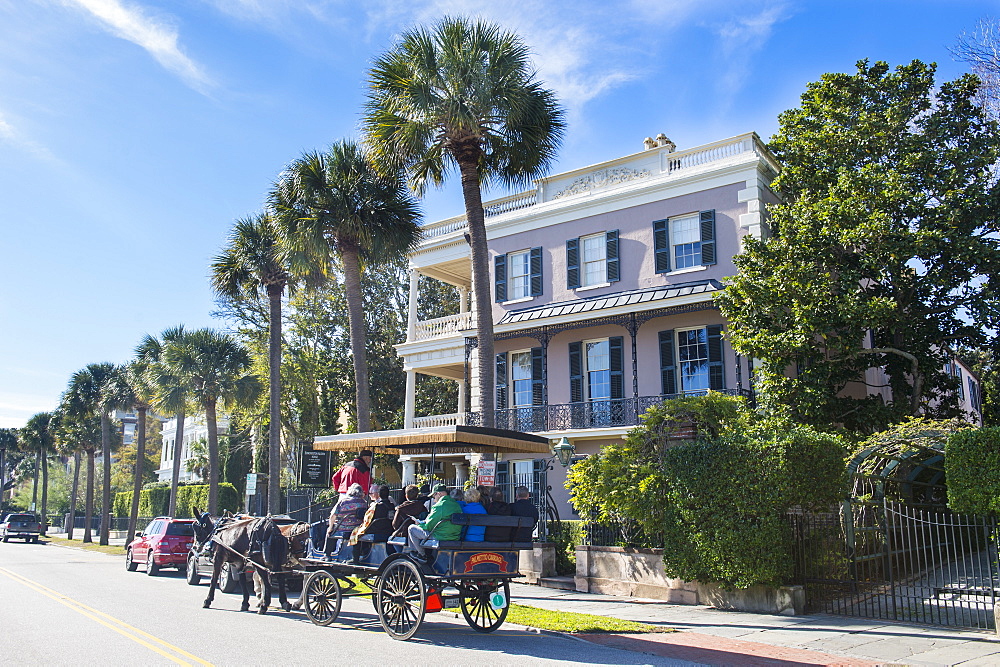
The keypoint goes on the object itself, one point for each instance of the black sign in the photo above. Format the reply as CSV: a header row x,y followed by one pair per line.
x,y
314,469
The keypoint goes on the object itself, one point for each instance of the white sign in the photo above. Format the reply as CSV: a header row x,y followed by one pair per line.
x,y
498,600
251,483
486,473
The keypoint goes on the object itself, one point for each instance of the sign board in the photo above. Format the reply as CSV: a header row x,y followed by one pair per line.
x,y
314,469
486,473
251,483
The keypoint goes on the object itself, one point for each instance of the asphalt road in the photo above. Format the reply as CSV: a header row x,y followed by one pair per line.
x,y
62,605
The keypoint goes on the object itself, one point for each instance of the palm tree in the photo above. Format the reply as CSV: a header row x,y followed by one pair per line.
x,y
463,94
336,205
88,395
8,442
73,434
36,437
218,369
252,262
132,389
171,392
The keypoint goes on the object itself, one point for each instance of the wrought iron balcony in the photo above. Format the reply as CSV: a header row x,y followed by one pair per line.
x,y
586,414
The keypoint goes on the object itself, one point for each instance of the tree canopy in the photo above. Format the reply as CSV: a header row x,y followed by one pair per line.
x,y
884,250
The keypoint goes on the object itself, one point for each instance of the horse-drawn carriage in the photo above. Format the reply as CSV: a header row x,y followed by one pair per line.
x,y
471,575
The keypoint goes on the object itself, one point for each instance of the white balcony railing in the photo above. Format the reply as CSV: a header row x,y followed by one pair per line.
x,y
450,325
711,153
495,207
438,420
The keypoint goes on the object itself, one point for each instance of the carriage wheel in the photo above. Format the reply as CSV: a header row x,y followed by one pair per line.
x,y
478,611
401,599
321,593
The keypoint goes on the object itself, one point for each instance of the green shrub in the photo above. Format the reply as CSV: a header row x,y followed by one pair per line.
x,y
718,502
567,537
156,501
972,468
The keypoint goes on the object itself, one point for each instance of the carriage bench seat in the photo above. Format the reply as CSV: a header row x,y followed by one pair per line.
x,y
462,519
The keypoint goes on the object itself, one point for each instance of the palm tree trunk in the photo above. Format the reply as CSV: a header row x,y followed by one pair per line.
x,y
274,386
72,495
3,473
45,492
480,284
34,484
213,458
356,324
106,482
176,474
140,455
89,506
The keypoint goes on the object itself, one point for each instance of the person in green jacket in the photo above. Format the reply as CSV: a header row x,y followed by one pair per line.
x,y
438,523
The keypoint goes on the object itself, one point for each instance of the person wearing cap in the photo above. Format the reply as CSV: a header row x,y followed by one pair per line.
x,y
438,523
358,471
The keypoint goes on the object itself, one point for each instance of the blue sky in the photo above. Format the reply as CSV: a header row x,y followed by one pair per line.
x,y
134,132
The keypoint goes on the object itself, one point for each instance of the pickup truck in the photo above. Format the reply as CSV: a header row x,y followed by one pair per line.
x,y
25,526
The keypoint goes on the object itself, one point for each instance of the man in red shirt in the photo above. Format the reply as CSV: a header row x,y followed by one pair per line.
x,y
358,471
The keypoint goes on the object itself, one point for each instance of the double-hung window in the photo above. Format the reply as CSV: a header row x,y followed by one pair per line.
x,y
592,260
518,275
520,390
520,378
595,260
598,362
691,360
684,242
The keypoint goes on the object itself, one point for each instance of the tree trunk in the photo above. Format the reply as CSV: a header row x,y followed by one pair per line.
x,y
3,474
480,285
89,503
45,492
274,385
140,455
106,482
213,458
356,323
34,484
73,494
176,473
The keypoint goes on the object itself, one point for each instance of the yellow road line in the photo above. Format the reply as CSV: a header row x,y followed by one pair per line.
x,y
119,626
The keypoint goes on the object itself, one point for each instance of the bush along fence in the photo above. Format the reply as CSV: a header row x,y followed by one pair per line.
x,y
156,501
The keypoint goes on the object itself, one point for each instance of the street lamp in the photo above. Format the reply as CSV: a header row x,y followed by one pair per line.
x,y
564,451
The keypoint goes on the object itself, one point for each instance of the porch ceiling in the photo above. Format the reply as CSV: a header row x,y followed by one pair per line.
x,y
456,272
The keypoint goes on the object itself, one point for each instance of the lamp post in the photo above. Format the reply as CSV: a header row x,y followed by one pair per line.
x,y
564,451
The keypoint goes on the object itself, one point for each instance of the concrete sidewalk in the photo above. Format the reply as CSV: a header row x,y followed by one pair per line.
x,y
715,637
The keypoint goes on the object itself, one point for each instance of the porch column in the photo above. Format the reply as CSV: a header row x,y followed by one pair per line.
x,y
411,318
461,402
463,300
410,402
461,473
409,471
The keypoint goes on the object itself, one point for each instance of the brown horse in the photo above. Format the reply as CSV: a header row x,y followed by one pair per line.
x,y
240,540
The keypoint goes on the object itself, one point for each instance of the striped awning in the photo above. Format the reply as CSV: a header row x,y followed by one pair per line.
x,y
438,440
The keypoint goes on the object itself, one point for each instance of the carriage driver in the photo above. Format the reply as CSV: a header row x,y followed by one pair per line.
x,y
358,471
438,523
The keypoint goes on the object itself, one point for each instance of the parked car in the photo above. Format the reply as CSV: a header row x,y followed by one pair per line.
x,y
164,543
24,525
200,565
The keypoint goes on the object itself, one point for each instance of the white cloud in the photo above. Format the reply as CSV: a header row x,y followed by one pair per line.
x,y
154,34
740,40
11,136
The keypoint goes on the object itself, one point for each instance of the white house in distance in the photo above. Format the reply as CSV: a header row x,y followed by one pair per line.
x,y
195,429
603,282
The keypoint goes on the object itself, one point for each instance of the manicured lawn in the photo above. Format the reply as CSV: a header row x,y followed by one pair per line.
x,y
563,621
91,546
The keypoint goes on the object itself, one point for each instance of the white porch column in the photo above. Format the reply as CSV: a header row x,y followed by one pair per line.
x,y
411,318
461,473
461,402
409,471
463,300
410,402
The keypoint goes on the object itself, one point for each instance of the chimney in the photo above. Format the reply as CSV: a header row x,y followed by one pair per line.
x,y
649,143
661,140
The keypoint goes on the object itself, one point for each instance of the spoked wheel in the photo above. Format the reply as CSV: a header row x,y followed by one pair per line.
x,y
321,593
401,599
478,609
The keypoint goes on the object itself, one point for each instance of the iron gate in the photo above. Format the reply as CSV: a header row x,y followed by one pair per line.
x,y
896,562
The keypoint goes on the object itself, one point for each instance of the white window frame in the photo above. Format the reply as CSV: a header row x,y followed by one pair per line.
x,y
511,387
519,285
587,370
678,363
675,263
602,278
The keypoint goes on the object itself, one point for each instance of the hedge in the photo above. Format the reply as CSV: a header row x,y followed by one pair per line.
x,y
156,501
972,468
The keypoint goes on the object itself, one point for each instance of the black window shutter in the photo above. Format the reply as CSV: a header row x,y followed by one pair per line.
x,y
503,479
668,369
536,271
501,381
661,246
716,365
575,372
572,263
614,270
707,237
500,277
537,381
616,346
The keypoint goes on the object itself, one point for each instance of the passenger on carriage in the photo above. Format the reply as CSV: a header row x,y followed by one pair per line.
x,y
523,507
376,521
498,507
345,516
411,509
473,506
438,523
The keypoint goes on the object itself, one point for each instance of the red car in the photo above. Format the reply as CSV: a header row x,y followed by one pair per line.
x,y
164,543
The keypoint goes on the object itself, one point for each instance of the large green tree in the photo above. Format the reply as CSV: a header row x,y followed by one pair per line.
x,y
463,95
36,437
883,252
253,262
217,367
336,206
